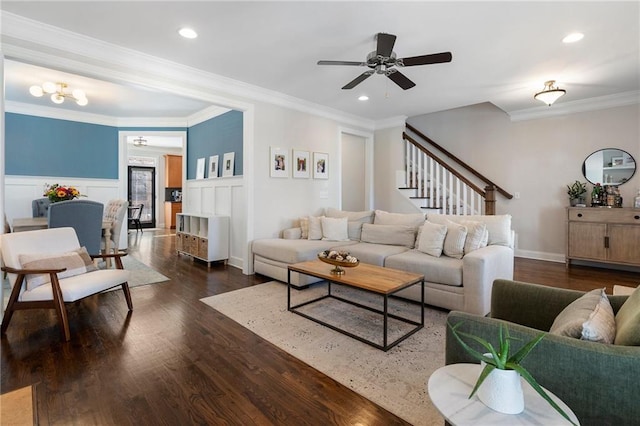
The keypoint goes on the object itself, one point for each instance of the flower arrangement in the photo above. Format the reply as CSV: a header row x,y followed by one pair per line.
x,y
57,192
501,358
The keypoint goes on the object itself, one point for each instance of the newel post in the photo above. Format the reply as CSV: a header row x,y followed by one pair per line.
x,y
490,200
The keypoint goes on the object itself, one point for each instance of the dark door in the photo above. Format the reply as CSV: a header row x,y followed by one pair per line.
x,y
142,190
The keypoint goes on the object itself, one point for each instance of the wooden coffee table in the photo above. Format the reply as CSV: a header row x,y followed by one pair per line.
x,y
370,278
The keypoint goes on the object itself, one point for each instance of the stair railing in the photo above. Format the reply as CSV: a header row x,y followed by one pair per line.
x,y
440,186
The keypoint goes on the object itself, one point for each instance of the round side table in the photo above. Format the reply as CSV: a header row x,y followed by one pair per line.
x,y
449,388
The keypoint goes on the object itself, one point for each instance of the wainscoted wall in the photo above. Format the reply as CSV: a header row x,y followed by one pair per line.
x,y
226,197
21,190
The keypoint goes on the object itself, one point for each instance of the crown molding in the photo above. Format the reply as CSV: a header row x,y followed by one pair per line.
x,y
206,114
592,104
84,117
387,123
59,113
106,61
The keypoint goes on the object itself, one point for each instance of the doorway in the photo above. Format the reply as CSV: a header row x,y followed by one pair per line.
x,y
142,190
354,180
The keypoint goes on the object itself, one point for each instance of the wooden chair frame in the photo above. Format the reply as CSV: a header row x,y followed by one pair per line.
x,y
57,303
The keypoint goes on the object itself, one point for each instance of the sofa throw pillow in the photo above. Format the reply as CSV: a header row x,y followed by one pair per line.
x,y
409,219
396,235
569,321
601,324
475,232
334,228
77,262
432,238
628,321
304,227
315,228
454,240
499,226
355,220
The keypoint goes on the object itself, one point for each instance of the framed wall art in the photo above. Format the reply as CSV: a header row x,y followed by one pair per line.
x,y
279,162
301,164
213,166
228,162
320,165
200,168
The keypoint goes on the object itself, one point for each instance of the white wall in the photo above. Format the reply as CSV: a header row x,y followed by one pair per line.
x,y
353,160
536,158
279,202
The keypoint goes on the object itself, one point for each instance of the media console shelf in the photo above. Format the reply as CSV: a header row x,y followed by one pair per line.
x,y
203,237
600,234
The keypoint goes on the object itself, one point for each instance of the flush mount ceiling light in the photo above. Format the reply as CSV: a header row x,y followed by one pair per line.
x,y
550,94
187,33
573,37
363,98
58,94
139,141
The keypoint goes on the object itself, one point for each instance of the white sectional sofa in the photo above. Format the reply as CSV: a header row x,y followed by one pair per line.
x,y
460,256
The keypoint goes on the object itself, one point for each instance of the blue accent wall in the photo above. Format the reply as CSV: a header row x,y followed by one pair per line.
x,y
215,136
37,146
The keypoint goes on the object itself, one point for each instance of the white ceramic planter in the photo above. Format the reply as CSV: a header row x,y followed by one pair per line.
x,y
502,391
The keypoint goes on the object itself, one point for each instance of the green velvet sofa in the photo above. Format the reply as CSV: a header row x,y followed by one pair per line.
x,y
599,382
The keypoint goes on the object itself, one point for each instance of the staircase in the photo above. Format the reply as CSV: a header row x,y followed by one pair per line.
x,y
432,184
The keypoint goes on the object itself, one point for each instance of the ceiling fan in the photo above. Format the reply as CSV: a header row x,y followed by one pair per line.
x,y
383,61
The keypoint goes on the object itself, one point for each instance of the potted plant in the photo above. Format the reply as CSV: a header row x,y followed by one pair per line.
x,y
500,359
576,191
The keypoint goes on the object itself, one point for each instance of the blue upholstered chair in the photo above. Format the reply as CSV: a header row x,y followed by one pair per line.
x,y
40,207
82,215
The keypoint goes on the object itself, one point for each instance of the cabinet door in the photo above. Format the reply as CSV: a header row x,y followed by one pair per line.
x,y
624,244
586,240
173,170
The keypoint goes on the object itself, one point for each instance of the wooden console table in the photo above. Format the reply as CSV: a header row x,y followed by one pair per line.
x,y
600,234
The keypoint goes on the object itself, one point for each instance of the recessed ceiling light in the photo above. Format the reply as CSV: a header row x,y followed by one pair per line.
x,y
187,33
573,37
363,98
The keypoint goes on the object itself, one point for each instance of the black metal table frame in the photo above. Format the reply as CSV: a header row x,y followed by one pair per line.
x,y
385,312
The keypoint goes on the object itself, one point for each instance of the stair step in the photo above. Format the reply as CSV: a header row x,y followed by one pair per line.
x,y
419,198
432,208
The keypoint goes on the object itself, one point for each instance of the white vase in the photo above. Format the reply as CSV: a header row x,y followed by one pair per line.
x,y
502,391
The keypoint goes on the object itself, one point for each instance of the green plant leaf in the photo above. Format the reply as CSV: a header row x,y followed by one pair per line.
x,y
529,378
483,375
495,361
524,351
503,337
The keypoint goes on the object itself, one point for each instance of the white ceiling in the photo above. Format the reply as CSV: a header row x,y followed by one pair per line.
x,y
502,51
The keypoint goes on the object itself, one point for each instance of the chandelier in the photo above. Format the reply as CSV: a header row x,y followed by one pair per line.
x,y
58,94
139,141
550,93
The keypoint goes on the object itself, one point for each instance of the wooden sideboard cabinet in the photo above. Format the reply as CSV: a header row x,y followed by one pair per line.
x,y
609,235
203,237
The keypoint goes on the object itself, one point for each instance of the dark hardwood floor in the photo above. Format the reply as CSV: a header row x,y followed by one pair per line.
x,y
175,361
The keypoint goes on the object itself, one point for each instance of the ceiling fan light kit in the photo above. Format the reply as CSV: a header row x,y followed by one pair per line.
x,y
550,93
384,61
58,94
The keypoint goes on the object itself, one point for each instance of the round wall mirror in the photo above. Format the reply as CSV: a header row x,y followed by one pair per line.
x,y
609,166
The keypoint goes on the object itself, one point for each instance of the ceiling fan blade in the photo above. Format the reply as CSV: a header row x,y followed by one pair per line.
x,y
359,79
354,63
401,80
385,44
435,58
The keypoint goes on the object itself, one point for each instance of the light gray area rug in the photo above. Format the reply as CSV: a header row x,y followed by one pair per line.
x,y
141,274
395,380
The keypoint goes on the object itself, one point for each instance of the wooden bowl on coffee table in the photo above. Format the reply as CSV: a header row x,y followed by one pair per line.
x,y
339,264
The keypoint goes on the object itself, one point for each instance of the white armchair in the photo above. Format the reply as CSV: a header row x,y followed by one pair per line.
x,y
47,268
